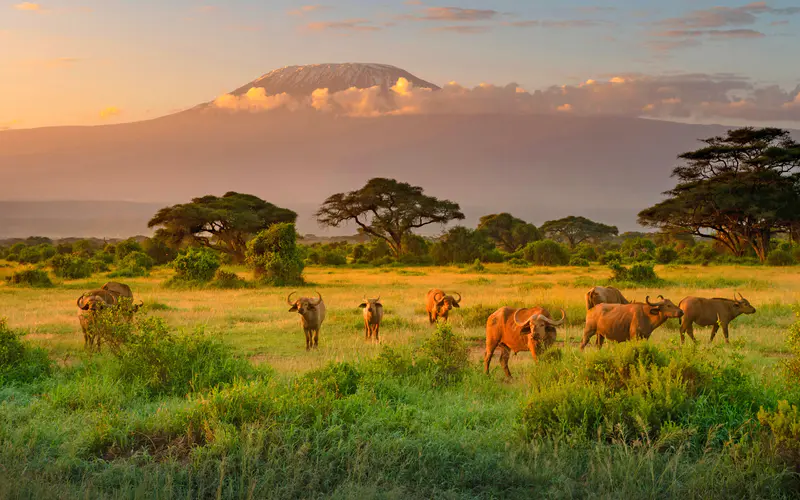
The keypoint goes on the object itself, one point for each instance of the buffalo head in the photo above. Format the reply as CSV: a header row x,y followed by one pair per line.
x,y
537,324
444,303
91,302
664,308
303,305
743,305
371,305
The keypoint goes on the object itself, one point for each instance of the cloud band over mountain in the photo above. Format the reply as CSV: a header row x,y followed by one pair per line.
x,y
684,97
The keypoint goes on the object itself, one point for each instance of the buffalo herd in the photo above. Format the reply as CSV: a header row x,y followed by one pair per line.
x,y
609,315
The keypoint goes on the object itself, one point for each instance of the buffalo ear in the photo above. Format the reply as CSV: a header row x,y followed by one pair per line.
x,y
455,304
293,309
655,310
526,329
362,305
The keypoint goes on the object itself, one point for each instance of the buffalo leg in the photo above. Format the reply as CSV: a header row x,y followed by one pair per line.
x,y
714,332
487,358
377,332
316,338
601,339
504,357
367,330
725,332
308,338
588,333
431,319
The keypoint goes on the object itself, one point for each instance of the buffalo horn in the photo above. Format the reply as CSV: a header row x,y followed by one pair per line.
x,y
459,298
319,300
289,299
647,299
556,323
436,295
517,321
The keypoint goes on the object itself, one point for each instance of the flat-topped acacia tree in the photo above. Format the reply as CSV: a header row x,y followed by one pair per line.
x,y
387,209
223,223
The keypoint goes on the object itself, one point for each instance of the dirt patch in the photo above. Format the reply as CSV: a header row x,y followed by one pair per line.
x,y
40,336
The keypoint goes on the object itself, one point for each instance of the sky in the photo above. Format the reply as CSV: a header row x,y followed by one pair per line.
x,y
88,62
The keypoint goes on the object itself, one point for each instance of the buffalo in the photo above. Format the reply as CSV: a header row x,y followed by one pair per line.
x,y
712,312
312,314
90,304
438,304
531,329
373,314
622,322
604,295
119,289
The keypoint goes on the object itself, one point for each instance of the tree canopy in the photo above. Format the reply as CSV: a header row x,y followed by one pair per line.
x,y
507,232
222,223
575,230
738,190
387,209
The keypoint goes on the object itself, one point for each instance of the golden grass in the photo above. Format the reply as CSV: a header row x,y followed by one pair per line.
x,y
258,324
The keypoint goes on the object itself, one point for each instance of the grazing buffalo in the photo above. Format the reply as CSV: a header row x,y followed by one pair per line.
x,y
312,314
119,289
622,322
373,314
89,305
438,304
531,329
604,295
712,312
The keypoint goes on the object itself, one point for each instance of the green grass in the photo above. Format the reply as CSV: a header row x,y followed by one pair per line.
x,y
376,425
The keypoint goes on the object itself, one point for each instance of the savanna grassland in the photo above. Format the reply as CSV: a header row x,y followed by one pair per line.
x,y
403,419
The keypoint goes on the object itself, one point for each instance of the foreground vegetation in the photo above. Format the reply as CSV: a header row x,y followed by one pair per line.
x,y
215,395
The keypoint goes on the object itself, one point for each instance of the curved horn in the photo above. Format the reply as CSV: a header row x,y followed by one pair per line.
x,y
647,300
80,300
517,322
661,297
740,296
556,323
289,299
459,297
319,299
378,299
141,303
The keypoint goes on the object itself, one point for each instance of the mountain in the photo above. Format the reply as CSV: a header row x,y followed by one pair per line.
x,y
301,81
537,167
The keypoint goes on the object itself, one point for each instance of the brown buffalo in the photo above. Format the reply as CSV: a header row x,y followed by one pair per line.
x,y
622,322
531,329
438,304
312,314
91,303
604,295
119,289
712,312
373,314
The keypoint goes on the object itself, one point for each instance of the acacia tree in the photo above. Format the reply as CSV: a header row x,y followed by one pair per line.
x,y
575,230
507,232
222,223
738,190
387,209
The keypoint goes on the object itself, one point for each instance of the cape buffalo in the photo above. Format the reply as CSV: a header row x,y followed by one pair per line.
x,y
312,314
531,329
622,322
604,295
712,312
439,305
119,289
373,314
91,303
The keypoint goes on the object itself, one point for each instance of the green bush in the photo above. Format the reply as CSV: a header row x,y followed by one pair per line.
x,y
547,253
447,355
20,363
477,266
83,248
460,245
578,262
611,256
148,353
666,255
36,278
228,281
515,262
105,257
638,273
158,250
780,258
99,266
196,265
71,266
784,427
586,252
274,256
792,365
138,260
123,248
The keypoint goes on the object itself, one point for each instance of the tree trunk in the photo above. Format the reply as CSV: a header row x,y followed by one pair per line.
x,y
760,243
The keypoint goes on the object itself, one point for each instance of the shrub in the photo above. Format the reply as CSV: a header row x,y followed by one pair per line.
x,y
586,252
780,258
634,247
460,245
274,256
515,262
158,250
337,379
83,248
792,365
19,362
196,264
638,273
36,278
123,248
71,266
610,256
447,354
547,253
477,266
228,281
666,255
136,260
104,257
578,262
784,426
165,362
